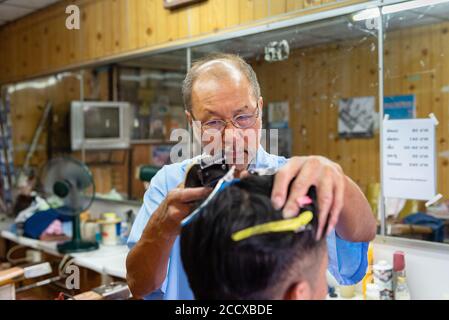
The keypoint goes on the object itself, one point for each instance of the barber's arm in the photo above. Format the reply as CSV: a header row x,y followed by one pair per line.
x,y
340,200
147,261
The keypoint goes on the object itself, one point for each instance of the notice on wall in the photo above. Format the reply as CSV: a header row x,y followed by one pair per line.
x,y
409,170
278,114
400,107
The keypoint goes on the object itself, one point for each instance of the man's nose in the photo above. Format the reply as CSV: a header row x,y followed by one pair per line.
x,y
231,135
226,128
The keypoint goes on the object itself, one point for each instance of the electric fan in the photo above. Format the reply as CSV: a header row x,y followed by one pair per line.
x,y
72,182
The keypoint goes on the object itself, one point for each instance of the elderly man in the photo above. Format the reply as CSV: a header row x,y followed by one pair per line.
x,y
222,93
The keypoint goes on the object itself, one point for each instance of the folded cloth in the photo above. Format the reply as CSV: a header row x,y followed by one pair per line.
x,y
423,219
38,204
36,225
55,228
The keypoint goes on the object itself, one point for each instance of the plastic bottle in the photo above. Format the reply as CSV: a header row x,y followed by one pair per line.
x,y
383,277
401,292
124,231
399,277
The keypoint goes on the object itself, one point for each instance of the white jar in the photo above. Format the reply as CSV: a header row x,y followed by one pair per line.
x,y
383,278
109,229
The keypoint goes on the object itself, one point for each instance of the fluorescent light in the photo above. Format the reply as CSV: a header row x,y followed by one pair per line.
x,y
36,84
408,5
366,14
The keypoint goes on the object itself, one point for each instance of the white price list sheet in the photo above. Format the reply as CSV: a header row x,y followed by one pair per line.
x,y
409,159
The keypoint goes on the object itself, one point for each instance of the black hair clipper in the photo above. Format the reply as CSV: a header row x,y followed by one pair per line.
x,y
206,172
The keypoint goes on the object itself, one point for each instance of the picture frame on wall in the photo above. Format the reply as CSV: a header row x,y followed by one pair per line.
x,y
356,117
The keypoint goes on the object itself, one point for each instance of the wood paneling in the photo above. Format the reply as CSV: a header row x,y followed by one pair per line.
x,y
314,79
40,43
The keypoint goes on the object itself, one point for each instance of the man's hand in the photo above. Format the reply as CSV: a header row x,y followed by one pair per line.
x,y
147,261
325,175
176,206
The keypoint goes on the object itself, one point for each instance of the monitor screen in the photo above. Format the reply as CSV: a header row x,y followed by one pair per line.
x,y
101,122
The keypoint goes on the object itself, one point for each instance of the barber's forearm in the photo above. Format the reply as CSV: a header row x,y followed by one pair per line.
x,y
356,222
147,261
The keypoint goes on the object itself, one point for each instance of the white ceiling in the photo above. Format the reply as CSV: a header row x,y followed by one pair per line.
x,y
11,10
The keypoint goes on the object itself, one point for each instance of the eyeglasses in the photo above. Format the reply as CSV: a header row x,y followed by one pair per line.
x,y
240,121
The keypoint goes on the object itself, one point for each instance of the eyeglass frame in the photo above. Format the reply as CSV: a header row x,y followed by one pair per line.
x,y
225,122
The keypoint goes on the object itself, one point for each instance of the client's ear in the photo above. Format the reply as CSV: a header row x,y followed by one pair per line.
x,y
299,291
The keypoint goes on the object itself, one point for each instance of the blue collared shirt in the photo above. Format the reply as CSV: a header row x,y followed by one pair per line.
x,y
347,260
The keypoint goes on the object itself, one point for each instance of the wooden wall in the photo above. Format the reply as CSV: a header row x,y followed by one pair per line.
x,y
28,100
40,43
314,79
416,62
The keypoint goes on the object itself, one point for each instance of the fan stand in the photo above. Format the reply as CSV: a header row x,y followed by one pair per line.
x,y
77,244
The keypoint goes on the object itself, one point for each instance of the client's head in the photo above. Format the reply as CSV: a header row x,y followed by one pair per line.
x,y
270,265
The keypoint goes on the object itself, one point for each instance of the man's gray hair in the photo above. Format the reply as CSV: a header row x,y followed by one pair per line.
x,y
194,72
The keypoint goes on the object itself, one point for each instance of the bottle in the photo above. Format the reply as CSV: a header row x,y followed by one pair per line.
x,y
383,278
368,279
124,231
399,276
401,292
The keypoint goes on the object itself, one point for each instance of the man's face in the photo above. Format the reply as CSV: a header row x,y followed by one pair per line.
x,y
222,92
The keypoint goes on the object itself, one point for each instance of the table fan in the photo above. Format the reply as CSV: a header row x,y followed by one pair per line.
x,y
72,182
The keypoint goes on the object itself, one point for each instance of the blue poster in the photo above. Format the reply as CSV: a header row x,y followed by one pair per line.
x,y
400,107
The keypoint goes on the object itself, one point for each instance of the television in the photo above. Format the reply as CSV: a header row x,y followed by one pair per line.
x,y
100,125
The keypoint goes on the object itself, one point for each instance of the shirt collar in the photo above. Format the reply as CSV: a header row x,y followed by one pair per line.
x,y
261,160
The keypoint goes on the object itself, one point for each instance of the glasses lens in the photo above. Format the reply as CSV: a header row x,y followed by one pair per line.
x,y
245,120
214,124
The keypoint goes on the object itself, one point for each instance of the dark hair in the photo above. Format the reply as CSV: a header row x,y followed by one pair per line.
x,y
259,267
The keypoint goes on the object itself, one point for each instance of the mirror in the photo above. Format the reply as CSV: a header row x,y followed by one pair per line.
x,y
320,85
416,52
323,97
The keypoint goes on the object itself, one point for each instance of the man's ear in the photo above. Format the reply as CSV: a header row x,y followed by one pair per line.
x,y
260,102
189,117
299,291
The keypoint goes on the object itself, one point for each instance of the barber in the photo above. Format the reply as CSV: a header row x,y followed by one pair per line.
x,y
222,93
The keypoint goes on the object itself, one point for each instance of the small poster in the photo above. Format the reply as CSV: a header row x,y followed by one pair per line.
x,y
158,129
409,170
160,155
278,114
400,107
356,117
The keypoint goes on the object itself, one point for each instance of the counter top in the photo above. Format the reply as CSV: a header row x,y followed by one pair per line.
x,y
108,260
